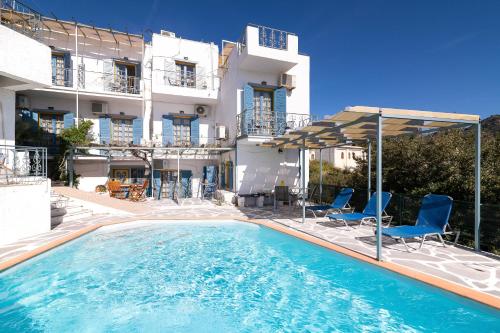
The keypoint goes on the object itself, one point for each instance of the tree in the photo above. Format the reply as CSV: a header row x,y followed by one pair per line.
x,y
71,137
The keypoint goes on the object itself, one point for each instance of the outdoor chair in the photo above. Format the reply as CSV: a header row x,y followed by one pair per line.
x,y
282,194
432,220
339,205
369,214
115,189
137,191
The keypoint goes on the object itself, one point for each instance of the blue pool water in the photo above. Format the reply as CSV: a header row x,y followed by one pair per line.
x,y
219,277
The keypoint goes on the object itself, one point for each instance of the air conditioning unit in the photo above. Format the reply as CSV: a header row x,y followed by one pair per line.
x,y
167,33
201,110
99,108
220,132
22,102
287,81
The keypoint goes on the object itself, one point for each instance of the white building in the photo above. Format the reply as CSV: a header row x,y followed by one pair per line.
x,y
191,108
342,157
24,64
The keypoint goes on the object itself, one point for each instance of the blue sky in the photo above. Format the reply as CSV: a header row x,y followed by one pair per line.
x,y
430,55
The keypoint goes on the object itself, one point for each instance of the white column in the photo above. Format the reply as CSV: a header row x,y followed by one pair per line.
x,y
477,192
379,188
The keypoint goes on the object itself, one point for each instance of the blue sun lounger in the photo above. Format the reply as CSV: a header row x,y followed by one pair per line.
x,y
340,203
369,214
432,220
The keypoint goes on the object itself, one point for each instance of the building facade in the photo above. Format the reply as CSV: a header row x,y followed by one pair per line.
x,y
197,111
342,157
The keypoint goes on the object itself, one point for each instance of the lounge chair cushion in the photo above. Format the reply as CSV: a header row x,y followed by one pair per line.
x,y
348,216
409,231
319,207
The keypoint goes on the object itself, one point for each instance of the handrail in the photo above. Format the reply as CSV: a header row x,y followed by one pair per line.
x,y
269,123
22,165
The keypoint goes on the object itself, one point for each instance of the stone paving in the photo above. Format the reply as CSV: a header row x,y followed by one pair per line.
x,y
462,266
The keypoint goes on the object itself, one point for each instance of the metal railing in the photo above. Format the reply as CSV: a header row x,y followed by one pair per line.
x,y
268,37
269,123
97,81
404,209
17,16
22,165
179,79
166,73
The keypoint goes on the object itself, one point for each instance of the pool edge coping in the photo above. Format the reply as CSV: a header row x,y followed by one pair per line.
x,y
455,288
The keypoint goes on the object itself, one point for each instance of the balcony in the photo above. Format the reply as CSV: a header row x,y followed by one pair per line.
x,y
268,49
269,123
21,18
171,85
21,165
96,82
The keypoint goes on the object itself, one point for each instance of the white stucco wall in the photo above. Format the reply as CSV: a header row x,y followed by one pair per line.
x,y
23,59
92,173
25,211
260,169
7,116
166,50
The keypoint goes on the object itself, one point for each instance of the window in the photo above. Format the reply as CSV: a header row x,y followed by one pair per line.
x,y
136,175
185,74
58,69
51,126
342,155
263,111
121,131
353,155
126,80
182,131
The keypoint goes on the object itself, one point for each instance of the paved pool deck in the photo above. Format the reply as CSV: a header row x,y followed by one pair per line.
x,y
455,266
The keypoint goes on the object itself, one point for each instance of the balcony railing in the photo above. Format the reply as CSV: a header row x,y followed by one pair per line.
x,y
268,37
269,123
185,80
22,165
97,81
17,16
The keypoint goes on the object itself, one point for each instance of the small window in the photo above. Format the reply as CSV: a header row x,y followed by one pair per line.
x,y
182,131
353,155
125,78
52,126
58,69
122,131
185,74
342,155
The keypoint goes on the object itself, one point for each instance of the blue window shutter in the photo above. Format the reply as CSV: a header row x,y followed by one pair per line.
x,y
223,175
68,73
138,70
69,120
34,117
54,129
105,129
167,131
195,131
280,110
157,183
54,66
248,108
230,176
137,130
186,176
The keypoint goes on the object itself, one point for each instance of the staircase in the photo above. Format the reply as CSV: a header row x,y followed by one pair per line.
x,y
65,209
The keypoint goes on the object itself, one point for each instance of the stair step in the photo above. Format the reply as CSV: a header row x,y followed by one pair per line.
x,y
77,215
55,212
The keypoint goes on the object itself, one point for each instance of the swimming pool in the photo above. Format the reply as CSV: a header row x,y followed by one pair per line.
x,y
219,277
